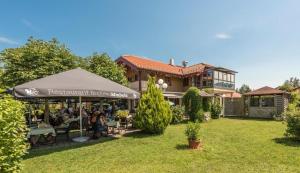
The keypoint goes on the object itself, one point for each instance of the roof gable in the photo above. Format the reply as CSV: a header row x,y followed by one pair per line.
x,y
148,64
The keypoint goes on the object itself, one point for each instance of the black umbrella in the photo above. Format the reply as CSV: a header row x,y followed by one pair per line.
x,y
76,83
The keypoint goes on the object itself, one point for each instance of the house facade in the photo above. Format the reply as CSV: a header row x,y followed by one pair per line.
x,y
179,78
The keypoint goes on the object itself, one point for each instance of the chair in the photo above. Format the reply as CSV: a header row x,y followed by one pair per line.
x,y
66,130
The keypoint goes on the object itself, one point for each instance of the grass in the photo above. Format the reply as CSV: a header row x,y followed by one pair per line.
x,y
230,145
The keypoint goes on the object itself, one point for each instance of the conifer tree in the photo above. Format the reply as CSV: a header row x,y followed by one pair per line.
x,y
153,112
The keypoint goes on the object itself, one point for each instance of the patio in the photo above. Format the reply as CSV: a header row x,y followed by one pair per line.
x,y
87,111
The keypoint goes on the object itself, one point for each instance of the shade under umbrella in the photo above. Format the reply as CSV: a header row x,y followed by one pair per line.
x,y
76,83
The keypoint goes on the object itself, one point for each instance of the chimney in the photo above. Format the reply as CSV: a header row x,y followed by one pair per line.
x,y
172,62
184,63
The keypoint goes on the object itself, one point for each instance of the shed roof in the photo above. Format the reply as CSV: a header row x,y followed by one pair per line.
x,y
265,91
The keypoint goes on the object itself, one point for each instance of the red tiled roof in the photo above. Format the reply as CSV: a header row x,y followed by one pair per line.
x,y
265,91
147,64
233,95
193,69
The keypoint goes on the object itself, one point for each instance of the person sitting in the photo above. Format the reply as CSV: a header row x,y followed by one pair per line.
x,y
95,121
103,125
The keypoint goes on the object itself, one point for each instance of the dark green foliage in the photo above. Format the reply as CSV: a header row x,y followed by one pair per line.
x,y
290,84
177,114
206,104
103,65
244,89
192,130
216,110
35,59
192,102
292,117
12,135
153,112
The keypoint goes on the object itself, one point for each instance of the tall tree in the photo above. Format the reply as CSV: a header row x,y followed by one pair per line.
x,y
35,59
290,84
104,66
153,112
244,89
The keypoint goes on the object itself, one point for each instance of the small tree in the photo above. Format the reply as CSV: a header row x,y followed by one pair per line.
x,y
12,135
153,112
192,103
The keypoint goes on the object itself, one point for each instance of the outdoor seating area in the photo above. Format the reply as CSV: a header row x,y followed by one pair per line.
x,y
96,121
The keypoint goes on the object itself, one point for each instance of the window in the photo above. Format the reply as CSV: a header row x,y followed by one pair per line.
x,y
185,81
231,78
267,101
216,74
224,76
254,101
136,77
228,77
209,73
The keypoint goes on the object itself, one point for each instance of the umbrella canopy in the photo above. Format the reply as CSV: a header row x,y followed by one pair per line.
x,y
73,83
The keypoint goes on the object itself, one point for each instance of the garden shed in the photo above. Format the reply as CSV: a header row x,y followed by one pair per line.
x,y
265,102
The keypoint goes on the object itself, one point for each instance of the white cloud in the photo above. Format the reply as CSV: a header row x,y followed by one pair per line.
x,y
7,40
28,24
223,36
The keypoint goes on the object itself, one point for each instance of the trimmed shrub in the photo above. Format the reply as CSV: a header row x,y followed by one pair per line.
x,y
12,135
192,102
153,112
177,114
216,110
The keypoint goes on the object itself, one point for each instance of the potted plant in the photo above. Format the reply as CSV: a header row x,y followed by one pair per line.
x,y
192,132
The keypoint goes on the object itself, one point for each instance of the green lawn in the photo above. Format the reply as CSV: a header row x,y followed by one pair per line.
x,y
230,145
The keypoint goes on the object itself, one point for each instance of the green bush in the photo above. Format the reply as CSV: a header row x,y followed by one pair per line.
x,y
192,102
177,114
293,124
216,110
153,112
192,131
292,117
12,135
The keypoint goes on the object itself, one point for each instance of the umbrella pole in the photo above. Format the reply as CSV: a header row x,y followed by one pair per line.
x,y
80,114
81,138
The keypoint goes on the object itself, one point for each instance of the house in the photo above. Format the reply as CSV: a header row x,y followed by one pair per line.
x,y
179,78
265,102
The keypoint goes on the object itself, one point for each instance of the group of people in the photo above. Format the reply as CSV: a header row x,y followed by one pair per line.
x,y
95,120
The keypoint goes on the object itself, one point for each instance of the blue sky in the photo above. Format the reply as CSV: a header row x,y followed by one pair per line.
x,y
258,38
